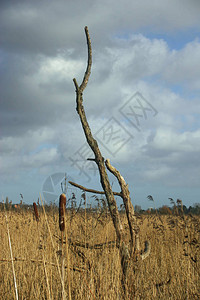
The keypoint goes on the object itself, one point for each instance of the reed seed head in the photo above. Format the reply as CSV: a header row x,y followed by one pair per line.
x,y
36,212
62,204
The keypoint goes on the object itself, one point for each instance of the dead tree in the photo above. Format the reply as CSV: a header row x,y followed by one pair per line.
x,y
128,251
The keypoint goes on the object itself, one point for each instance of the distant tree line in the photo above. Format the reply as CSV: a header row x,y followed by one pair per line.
x,y
177,208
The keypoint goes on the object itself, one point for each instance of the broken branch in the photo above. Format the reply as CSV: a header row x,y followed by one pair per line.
x,y
91,190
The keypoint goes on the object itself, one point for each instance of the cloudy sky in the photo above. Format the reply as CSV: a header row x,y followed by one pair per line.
x,y
142,100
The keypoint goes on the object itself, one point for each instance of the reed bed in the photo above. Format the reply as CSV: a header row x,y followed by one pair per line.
x,y
172,271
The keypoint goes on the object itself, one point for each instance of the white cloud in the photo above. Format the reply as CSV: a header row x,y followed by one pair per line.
x,y
41,158
161,172
40,127
172,158
168,140
139,56
59,68
184,66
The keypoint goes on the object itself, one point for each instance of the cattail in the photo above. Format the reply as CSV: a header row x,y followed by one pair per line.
x,y
62,204
36,212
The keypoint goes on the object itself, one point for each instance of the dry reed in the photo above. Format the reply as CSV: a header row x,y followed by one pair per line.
x,y
11,254
172,271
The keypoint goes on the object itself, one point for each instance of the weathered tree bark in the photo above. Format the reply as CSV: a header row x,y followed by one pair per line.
x,y
127,204
125,249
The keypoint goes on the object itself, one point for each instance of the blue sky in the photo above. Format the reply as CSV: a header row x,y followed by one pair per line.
x,y
176,41
142,48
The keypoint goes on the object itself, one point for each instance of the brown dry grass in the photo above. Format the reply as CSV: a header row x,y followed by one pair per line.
x,y
172,271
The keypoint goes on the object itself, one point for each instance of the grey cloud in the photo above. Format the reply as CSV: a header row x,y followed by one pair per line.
x,y
40,27
43,47
174,159
28,103
184,66
44,27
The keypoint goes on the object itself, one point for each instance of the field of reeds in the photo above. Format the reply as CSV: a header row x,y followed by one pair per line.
x,y
88,265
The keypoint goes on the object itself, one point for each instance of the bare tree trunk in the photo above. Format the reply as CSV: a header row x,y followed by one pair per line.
x,y
125,250
94,146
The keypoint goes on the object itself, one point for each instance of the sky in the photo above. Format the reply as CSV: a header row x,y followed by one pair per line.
x,y
142,100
